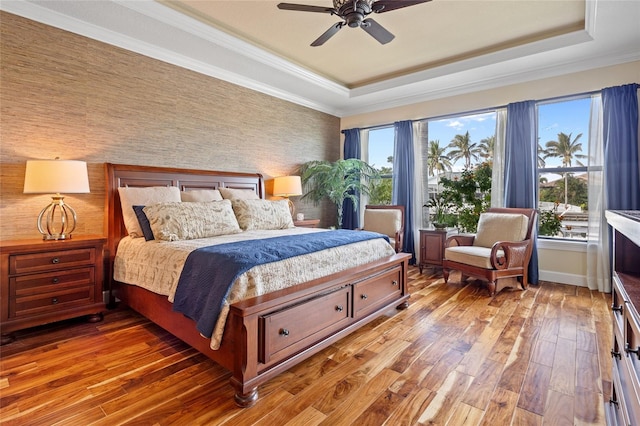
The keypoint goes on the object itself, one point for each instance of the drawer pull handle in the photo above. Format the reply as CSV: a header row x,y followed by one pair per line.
x,y
615,308
284,332
56,280
394,282
613,401
339,308
363,296
55,260
54,300
628,349
616,354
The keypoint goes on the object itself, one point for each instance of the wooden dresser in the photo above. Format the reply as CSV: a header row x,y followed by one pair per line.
x,y
47,281
624,405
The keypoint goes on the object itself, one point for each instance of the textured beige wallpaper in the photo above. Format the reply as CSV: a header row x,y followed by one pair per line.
x,y
67,96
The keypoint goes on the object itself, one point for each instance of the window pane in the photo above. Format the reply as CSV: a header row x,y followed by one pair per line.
x,y
381,158
459,156
563,146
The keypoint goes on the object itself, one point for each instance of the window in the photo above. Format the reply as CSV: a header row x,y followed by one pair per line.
x,y
563,135
380,157
458,161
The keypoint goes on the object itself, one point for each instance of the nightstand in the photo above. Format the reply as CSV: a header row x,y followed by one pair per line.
x,y
432,247
47,281
307,223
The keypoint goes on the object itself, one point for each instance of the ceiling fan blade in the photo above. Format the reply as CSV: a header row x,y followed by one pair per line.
x,y
377,31
305,8
327,34
389,5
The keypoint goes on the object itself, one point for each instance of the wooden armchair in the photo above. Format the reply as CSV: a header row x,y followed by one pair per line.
x,y
500,249
387,220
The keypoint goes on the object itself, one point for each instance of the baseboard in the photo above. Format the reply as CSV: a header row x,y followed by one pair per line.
x,y
562,278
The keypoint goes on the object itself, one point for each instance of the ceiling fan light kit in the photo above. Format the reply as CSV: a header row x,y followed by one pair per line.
x,y
354,14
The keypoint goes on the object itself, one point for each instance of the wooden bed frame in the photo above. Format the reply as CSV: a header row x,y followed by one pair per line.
x,y
268,334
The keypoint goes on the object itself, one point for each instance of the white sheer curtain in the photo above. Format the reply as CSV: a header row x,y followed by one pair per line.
x,y
497,175
419,138
598,275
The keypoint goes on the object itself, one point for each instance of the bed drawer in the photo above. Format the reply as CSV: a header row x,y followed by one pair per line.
x,y
370,294
287,331
47,261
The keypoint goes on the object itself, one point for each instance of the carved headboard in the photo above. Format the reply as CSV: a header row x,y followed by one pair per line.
x,y
118,175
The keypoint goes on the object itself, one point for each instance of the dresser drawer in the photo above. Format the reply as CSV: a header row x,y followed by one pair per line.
x,y
51,260
24,285
370,294
292,329
50,302
617,303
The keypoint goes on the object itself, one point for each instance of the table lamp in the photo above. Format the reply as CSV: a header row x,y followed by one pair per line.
x,y
287,186
58,220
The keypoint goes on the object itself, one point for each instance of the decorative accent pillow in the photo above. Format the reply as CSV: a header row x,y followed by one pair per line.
x,y
263,214
143,220
238,194
494,227
134,196
188,221
199,195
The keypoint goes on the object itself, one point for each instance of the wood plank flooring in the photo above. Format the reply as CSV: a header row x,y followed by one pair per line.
x,y
454,357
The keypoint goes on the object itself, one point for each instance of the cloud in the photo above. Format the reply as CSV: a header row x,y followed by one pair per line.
x,y
456,124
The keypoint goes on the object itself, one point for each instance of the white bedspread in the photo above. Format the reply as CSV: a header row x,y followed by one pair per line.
x,y
156,266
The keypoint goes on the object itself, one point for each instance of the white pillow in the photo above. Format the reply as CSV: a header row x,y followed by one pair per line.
x,y
198,195
263,214
238,194
188,221
133,196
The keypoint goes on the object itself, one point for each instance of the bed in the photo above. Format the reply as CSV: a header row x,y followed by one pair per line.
x,y
269,333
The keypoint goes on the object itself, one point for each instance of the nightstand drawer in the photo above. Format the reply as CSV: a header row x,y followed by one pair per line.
x,y
51,281
47,261
50,302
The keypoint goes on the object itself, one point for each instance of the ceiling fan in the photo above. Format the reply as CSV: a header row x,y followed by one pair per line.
x,y
354,14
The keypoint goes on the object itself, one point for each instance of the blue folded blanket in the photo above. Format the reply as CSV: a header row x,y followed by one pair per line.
x,y
209,272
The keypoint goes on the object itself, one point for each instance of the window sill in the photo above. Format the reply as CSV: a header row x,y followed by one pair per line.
x,y
565,245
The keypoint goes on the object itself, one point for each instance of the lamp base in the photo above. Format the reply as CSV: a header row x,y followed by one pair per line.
x,y
292,208
58,218
48,237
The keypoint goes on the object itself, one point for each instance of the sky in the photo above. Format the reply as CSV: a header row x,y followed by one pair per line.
x,y
553,118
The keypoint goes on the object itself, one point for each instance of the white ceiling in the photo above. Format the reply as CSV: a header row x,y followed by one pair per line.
x,y
441,48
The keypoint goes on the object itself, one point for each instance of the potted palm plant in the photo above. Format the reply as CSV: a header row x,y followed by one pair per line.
x,y
337,180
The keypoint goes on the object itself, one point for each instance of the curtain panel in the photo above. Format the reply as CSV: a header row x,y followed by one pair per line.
x,y
403,180
352,149
520,170
620,138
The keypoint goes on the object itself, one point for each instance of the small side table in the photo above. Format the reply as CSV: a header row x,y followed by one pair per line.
x,y
432,246
307,223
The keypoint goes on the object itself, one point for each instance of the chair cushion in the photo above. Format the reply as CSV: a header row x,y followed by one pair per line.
x,y
471,255
493,227
386,222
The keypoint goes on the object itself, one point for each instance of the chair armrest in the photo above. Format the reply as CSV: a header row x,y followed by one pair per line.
x,y
515,254
459,240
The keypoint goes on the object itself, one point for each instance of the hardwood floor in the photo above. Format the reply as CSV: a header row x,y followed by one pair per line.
x,y
454,357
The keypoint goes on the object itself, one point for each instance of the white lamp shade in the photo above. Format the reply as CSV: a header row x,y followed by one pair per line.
x,y
56,176
287,186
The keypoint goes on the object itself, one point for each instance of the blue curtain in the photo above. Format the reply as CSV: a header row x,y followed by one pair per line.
x,y
403,178
520,170
620,140
352,149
